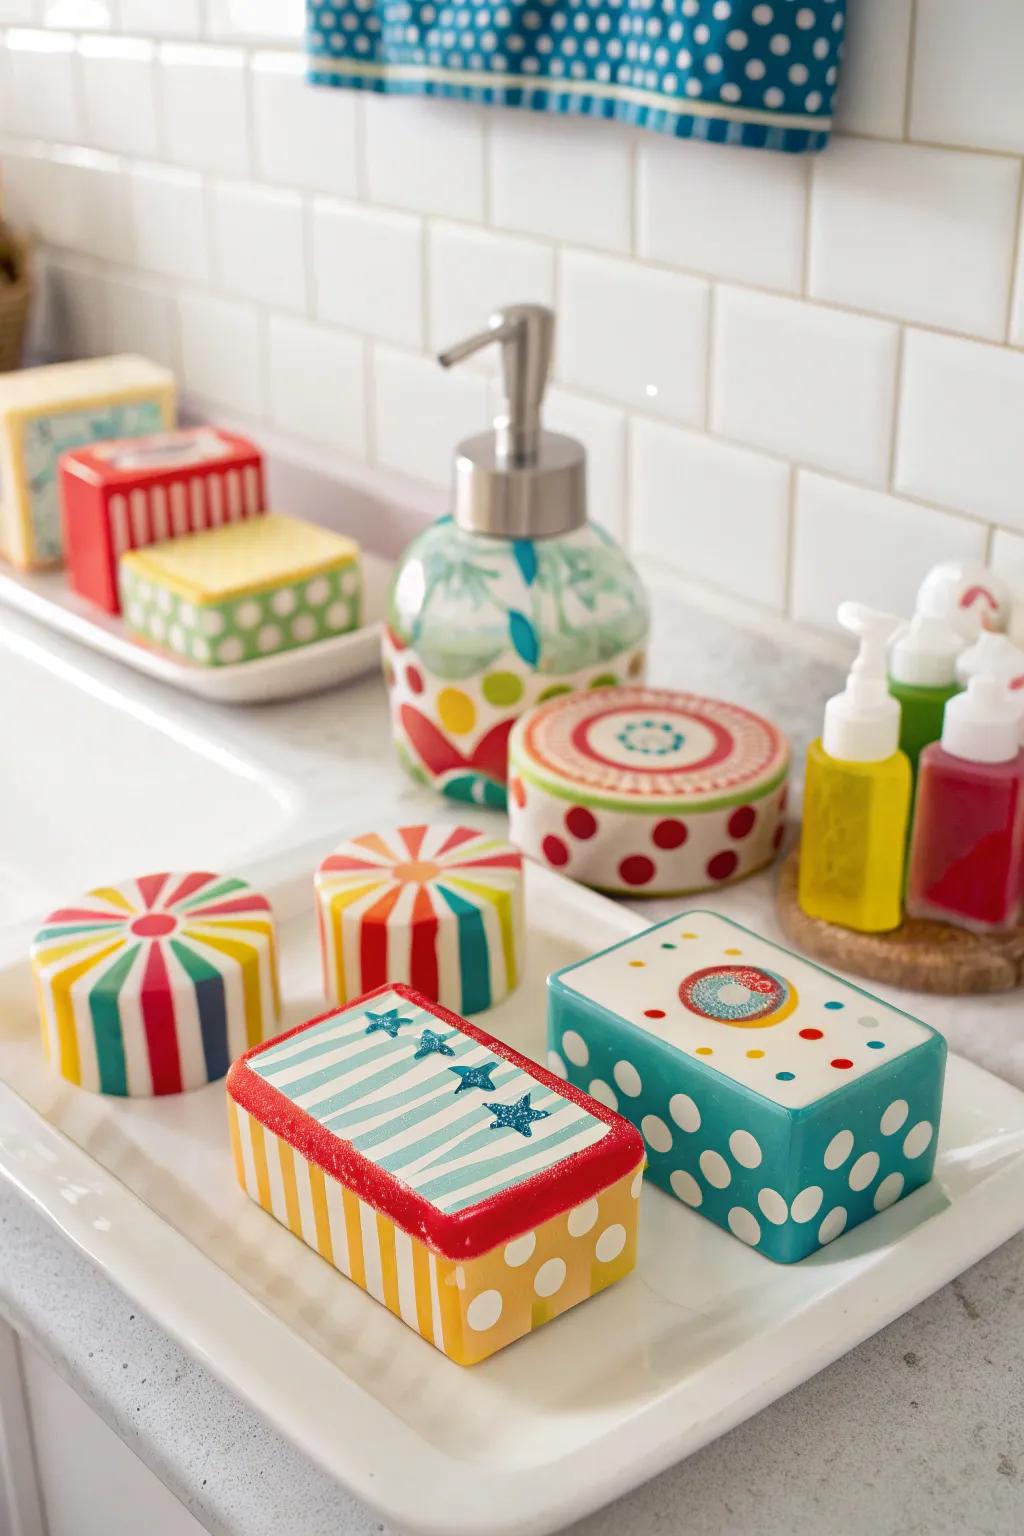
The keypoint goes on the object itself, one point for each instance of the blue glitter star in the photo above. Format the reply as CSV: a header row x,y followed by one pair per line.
x,y
475,1077
389,1022
515,1117
430,1042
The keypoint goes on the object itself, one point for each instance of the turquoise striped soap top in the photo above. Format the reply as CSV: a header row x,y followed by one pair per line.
x,y
448,1117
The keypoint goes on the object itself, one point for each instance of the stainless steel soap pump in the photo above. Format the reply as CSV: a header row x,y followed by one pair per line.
x,y
513,597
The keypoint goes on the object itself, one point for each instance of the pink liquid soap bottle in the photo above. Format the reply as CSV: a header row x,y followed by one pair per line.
x,y
967,844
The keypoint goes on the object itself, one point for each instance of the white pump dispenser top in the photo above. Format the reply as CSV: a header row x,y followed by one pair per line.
x,y
982,725
862,724
994,654
924,653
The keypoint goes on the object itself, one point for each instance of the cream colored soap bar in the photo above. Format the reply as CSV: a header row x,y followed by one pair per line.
x,y
46,411
244,590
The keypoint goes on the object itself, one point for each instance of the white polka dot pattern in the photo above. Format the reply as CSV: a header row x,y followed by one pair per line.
x,y
645,67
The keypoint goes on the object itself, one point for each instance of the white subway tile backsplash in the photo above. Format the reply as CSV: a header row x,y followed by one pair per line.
x,y
369,270
119,94
1007,557
40,85
731,212
421,411
853,543
277,19
917,233
18,12
79,15
304,137
567,179
812,384
1017,313
162,18
635,334
317,384
966,86
220,352
169,222
873,80
474,272
77,301
90,210
204,105
714,512
427,155
602,431
27,181
259,245
141,318
960,437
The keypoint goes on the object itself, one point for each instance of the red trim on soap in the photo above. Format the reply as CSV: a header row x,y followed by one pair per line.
x,y
463,1234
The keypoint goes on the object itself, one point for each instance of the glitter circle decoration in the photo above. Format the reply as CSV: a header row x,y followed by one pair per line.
x,y
647,791
439,906
155,985
745,996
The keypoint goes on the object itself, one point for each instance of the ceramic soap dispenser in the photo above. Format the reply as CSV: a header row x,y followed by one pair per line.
x,y
514,596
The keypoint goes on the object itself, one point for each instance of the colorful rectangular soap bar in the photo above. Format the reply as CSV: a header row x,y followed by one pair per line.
x,y
246,590
137,491
781,1102
46,411
460,1184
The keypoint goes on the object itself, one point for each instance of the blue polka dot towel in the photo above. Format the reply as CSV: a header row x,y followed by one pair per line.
x,y
732,71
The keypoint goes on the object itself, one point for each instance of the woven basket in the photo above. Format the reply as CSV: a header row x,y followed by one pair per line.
x,y
14,306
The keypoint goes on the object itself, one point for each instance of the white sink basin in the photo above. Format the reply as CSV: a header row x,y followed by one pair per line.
x,y
98,782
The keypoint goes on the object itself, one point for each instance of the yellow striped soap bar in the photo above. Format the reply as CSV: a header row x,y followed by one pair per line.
x,y
472,1192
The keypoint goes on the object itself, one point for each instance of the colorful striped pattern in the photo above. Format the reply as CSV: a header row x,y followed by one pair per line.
x,y
400,1098
156,985
467,1310
440,907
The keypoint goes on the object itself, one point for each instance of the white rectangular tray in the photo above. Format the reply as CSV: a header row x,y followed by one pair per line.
x,y
45,596
702,1335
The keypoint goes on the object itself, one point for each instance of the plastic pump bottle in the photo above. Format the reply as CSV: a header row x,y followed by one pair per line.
x,y
995,655
857,793
967,846
922,678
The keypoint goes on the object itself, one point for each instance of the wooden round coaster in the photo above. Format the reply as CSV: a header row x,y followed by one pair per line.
x,y
920,955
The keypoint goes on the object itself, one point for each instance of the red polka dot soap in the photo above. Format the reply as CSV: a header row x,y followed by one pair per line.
x,y
783,1103
643,791
470,1191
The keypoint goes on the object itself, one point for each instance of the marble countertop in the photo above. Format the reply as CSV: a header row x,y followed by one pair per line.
x,y
919,1430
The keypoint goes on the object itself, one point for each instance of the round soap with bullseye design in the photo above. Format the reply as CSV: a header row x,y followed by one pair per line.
x,y
154,986
644,791
439,907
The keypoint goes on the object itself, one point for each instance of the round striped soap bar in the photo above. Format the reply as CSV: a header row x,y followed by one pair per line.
x,y
440,907
156,985
643,791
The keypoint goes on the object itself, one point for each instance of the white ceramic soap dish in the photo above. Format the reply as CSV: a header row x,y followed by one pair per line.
x,y
46,597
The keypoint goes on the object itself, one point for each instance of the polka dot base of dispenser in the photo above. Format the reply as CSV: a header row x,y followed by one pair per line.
x,y
644,791
470,1191
780,1102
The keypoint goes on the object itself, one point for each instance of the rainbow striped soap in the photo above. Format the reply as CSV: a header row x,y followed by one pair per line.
x,y
472,1192
440,907
156,985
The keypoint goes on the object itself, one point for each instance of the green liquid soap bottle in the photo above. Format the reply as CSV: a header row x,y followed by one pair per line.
x,y
857,793
922,679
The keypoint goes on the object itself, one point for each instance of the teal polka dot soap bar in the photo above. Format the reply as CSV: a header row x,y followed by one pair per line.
x,y
242,591
780,1102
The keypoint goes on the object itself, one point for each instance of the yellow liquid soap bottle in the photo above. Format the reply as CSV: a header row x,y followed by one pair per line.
x,y
857,793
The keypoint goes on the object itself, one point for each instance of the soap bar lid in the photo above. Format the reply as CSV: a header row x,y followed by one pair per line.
x,y
504,1146
518,481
